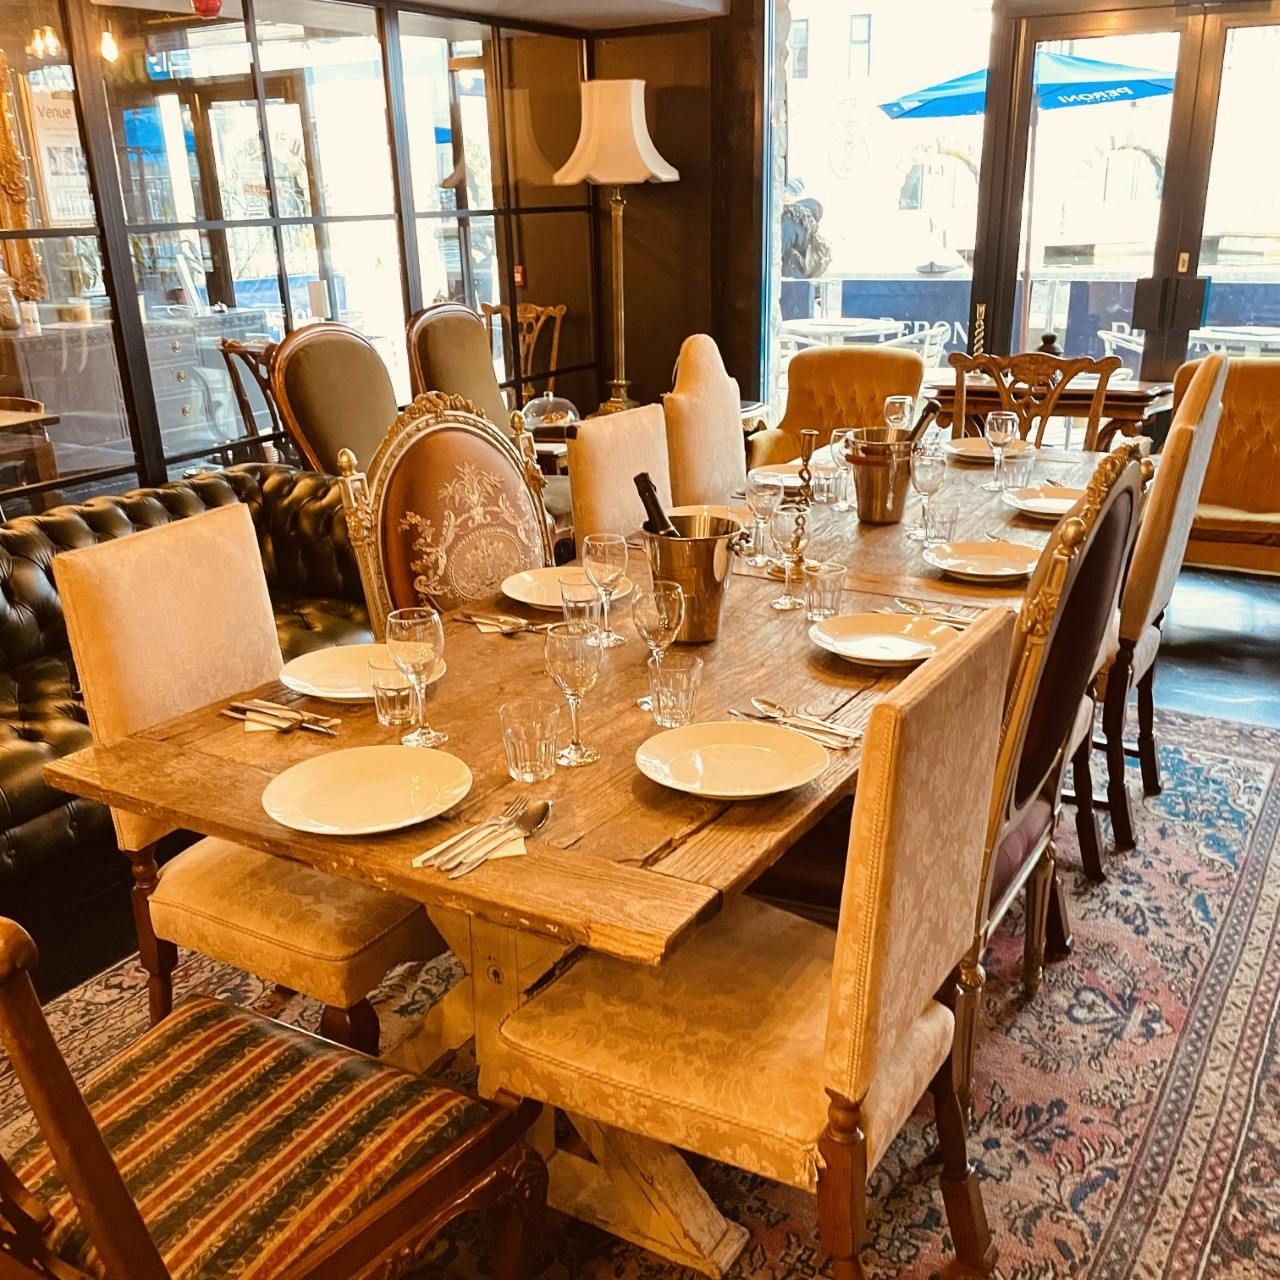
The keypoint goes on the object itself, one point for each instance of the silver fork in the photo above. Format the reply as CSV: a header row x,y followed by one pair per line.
x,y
455,844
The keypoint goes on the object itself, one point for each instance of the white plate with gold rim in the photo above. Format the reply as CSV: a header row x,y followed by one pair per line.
x,y
540,588
731,759
976,450
881,639
365,790
1042,501
339,674
986,562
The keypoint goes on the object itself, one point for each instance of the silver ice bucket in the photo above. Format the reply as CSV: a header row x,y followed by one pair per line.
x,y
700,560
880,459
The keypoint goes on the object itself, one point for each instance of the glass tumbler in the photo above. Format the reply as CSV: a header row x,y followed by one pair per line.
x,y
823,583
579,598
941,520
673,685
1018,469
529,730
393,696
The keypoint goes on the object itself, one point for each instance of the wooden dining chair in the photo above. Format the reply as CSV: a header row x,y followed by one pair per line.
x,y
1031,385
785,1049
333,392
704,427
531,323
605,456
164,622
248,367
224,1144
447,509
1133,643
830,387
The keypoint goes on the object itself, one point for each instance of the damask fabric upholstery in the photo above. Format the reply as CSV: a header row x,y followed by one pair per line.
x,y
604,458
1019,845
457,518
286,922
1170,505
718,1051
145,642
704,427
1237,523
247,1145
340,394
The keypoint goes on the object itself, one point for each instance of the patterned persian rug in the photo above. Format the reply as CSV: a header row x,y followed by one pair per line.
x,y
1128,1119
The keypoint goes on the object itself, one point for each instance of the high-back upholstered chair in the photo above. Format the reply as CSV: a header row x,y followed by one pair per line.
x,y
830,387
225,1144
605,456
1130,650
446,511
1031,385
333,392
1237,524
785,1049
704,427
149,646
1070,602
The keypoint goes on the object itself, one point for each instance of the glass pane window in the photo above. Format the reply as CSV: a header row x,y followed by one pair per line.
x,y
544,113
859,45
327,108
799,43
40,122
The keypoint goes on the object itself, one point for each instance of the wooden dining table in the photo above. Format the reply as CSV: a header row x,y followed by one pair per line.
x,y
624,866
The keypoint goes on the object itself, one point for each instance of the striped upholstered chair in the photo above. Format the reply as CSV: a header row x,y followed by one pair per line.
x,y
223,1144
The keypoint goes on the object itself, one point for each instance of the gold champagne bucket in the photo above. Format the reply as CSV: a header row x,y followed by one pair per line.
x,y
700,560
880,459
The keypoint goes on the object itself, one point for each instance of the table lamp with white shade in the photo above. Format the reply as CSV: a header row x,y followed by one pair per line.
x,y
615,150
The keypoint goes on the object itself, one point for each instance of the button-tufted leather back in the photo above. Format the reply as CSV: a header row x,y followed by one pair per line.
x,y
297,515
1244,467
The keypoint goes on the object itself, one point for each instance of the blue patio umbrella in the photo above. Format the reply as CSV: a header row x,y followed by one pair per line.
x,y
1060,80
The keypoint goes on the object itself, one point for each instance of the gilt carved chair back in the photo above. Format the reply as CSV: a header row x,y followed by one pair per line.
x,y
447,509
531,322
1031,385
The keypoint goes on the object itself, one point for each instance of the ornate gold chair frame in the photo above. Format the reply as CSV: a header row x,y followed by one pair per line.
x,y
364,494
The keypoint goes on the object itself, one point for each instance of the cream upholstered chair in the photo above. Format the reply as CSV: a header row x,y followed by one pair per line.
x,y
605,456
1237,523
161,623
704,427
830,387
447,510
774,1044
333,392
1133,643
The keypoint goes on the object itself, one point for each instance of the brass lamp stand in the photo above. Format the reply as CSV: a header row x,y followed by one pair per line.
x,y
619,385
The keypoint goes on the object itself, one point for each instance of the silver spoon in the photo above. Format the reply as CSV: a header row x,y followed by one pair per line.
x,y
533,819
776,711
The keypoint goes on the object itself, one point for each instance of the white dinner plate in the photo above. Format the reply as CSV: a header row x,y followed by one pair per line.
x,y
540,588
364,790
340,674
881,639
787,472
1042,501
983,561
975,449
731,759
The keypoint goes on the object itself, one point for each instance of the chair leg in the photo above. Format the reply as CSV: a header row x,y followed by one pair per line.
x,y
1057,935
159,957
1039,890
522,1213
842,1188
1113,709
356,1027
1148,758
1086,816
968,1012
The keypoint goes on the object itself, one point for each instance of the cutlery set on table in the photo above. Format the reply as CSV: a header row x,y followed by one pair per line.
x,y
473,847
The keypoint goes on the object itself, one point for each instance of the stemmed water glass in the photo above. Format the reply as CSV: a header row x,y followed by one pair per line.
x,y
838,439
573,658
604,557
764,497
657,612
928,471
897,412
790,529
415,641
1002,427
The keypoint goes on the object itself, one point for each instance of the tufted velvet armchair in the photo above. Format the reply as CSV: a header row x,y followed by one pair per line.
x,y
60,873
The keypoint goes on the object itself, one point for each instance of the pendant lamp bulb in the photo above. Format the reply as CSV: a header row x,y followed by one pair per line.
x,y
107,45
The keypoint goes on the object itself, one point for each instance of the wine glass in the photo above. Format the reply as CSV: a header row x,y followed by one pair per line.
x,y
1002,427
839,438
790,527
657,612
573,657
764,497
604,557
928,471
897,412
415,641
